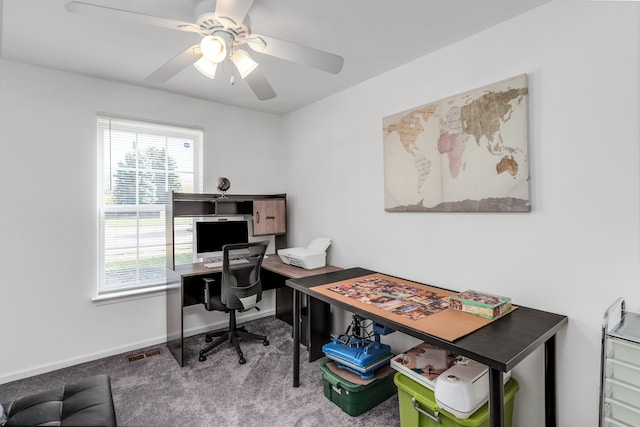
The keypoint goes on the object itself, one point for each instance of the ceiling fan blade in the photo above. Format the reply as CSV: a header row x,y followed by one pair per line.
x,y
175,65
259,85
126,15
296,53
234,9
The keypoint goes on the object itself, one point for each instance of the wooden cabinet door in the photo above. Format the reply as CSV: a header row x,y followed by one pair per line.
x,y
269,217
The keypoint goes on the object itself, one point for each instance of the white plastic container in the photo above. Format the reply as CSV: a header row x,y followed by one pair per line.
x,y
464,388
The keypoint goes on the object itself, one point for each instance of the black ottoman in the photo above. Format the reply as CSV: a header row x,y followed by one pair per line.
x,y
85,403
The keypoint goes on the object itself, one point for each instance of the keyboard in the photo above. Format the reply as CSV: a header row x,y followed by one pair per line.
x,y
217,261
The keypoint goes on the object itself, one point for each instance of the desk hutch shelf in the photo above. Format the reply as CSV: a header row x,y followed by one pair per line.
x,y
268,214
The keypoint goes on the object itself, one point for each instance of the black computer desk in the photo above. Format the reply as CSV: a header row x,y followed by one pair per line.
x,y
500,345
185,287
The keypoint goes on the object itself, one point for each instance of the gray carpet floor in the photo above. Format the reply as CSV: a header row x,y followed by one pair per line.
x,y
156,391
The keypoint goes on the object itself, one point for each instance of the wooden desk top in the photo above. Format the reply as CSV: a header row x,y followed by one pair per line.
x,y
272,263
275,264
195,269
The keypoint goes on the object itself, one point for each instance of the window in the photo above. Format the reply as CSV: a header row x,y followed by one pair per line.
x,y
138,163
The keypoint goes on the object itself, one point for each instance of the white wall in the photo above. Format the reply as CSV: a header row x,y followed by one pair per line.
x,y
48,219
575,253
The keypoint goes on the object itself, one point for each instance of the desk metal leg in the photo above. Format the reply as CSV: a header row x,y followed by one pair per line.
x,y
550,382
496,398
296,337
175,333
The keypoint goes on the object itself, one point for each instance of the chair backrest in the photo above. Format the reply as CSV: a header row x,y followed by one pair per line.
x,y
241,286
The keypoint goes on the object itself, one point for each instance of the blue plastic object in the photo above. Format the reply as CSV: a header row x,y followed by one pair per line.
x,y
360,356
381,329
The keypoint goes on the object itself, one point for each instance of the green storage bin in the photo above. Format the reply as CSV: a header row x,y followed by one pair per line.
x,y
355,399
425,402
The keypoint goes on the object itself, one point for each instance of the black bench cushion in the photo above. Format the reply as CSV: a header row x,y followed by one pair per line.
x,y
86,403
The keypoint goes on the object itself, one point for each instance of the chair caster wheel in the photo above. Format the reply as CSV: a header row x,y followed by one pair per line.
x,y
242,361
265,343
202,358
208,339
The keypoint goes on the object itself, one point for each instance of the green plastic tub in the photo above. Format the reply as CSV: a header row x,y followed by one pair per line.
x,y
418,406
355,399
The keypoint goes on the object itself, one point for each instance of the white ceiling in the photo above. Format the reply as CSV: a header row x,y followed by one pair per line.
x,y
373,36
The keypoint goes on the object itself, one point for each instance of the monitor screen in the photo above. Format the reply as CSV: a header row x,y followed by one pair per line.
x,y
211,236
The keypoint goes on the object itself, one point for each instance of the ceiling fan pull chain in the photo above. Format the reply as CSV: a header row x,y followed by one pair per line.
x,y
233,48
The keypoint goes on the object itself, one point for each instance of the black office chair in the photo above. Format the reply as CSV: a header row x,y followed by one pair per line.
x,y
240,290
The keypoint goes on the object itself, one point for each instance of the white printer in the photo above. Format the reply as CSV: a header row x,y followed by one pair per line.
x,y
313,256
464,388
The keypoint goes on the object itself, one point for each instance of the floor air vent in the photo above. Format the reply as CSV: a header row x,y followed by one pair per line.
x,y
139,356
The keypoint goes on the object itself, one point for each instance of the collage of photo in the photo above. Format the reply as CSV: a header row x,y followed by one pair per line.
x,y
394,297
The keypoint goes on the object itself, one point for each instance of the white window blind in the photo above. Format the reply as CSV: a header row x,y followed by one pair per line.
x,y
138,163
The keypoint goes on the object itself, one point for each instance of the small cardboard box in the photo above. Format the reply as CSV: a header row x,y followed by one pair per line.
x,y
480,304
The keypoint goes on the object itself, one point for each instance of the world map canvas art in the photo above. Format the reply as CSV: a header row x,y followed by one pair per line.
x,y
465,153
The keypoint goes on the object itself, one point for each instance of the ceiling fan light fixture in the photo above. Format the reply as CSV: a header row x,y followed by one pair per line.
x,y
213,48
206,67
243,62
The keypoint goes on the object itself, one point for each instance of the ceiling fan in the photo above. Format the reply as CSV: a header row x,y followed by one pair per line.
x,y
224,26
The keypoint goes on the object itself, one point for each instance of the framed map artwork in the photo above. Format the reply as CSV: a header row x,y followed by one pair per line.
x,y
466,153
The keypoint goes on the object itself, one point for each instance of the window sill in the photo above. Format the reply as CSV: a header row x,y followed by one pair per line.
x,y
134,294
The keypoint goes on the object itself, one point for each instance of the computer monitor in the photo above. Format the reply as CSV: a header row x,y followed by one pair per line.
x,y
211,236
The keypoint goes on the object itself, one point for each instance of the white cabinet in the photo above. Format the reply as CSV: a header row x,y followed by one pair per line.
x,y
620,368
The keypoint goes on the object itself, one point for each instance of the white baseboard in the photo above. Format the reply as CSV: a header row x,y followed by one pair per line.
x,y
48,367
